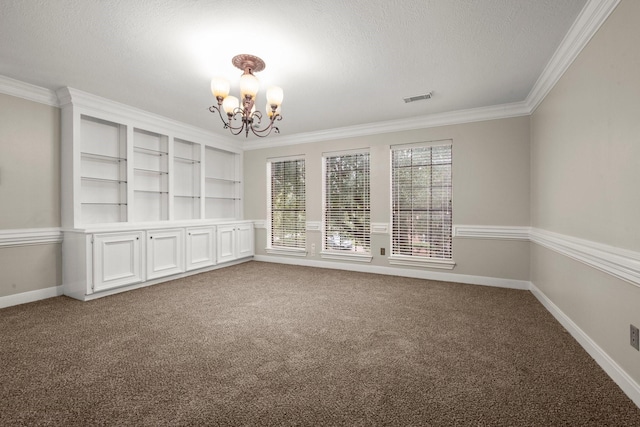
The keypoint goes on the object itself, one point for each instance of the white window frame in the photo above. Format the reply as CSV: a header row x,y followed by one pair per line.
x,y
282,250
414,260
342,254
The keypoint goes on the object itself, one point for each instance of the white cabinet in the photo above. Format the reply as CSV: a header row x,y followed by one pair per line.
x,y
117,259
200,248
141,197
235,241
165,254
244,236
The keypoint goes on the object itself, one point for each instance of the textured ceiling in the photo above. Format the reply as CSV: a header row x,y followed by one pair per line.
x,y
340,63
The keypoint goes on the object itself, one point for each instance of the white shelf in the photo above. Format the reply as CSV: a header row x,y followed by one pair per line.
x,y
121,168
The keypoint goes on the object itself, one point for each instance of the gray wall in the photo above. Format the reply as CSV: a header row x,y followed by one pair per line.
x,y
490,187
585,182
29,192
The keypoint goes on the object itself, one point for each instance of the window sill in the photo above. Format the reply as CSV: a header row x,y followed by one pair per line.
x,y
445,264
287,251
346,256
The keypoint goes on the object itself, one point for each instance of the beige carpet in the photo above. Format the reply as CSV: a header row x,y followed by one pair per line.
x,y
268,344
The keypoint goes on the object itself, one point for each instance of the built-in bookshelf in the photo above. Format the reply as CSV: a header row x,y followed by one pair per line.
x,y
123,166
151,176
143,198
103,171
222,184
187,194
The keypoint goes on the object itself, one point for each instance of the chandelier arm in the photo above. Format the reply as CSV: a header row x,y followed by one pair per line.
x,y
267,131
236,111
214,108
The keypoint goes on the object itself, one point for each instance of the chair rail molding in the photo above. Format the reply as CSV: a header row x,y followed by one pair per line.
x,y
30,236
621,263
379,228
492,232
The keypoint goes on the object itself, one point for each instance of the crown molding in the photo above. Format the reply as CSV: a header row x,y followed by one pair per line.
x,y
590,19
28,91
122,113
480,114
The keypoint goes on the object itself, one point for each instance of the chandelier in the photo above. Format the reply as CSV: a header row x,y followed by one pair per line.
x,y
241,113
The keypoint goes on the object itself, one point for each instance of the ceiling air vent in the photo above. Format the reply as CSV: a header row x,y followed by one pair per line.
x,y
418,97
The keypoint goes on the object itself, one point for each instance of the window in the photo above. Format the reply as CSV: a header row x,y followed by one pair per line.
x,y
421,202
287,205
346,206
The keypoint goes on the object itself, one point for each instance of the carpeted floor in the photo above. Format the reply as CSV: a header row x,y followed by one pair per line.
x,y
269,344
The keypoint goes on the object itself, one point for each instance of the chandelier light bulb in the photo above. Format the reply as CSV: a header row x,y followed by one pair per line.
x,y
220,87
274,96
229,104
249,85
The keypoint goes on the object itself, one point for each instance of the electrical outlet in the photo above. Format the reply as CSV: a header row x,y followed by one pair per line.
x,y
634,338
381,251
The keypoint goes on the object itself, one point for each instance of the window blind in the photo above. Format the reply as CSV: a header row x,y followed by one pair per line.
x,y
288,204
347,216
421,201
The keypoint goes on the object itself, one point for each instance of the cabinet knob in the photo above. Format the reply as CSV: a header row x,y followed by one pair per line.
x,y
151,237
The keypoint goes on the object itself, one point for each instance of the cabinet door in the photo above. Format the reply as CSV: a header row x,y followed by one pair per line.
x,y
200,248
117,260
165,254
244,236
226,247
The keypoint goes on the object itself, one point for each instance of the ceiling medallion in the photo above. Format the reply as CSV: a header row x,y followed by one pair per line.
x,y
243,116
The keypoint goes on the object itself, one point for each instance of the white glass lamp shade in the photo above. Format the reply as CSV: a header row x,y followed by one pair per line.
x,y
274,96
220,87
270,111
249,85
229,104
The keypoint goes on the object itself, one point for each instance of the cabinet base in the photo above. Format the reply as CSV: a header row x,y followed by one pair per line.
x,y
100,294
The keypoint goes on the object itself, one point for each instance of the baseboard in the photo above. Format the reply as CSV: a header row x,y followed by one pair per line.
x,y
617,374
402,272
30,296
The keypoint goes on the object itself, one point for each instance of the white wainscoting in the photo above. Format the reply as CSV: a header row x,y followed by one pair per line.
x,y
621,263
29,237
